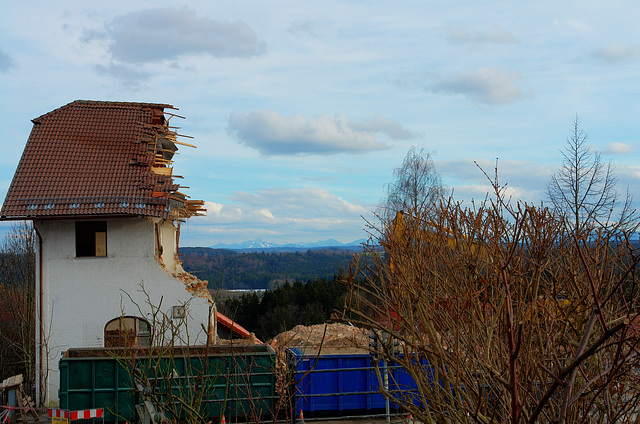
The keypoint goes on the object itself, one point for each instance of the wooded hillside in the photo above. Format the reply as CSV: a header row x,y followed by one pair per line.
x,y
259,270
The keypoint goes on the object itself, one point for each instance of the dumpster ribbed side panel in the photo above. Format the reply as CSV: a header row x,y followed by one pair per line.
x,y
233,383
335,384
87,383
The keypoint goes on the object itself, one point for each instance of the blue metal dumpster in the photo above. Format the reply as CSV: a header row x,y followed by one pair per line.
x,y
344,381
336,382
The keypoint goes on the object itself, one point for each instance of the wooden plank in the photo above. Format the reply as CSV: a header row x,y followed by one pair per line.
x,y
21,405
185,144
28,403
161,170
12,381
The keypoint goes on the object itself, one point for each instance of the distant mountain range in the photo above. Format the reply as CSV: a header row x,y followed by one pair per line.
x,y
257,244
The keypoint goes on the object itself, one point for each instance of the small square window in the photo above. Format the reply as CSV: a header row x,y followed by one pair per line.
x,y
91,238
178,312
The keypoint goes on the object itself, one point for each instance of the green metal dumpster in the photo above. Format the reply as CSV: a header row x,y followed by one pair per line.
x,y
235,380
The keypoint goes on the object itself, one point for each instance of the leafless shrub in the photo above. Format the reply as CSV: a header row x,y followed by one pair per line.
x,y
502,313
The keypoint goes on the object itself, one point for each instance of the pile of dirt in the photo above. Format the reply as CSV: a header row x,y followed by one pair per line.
x,y
325,335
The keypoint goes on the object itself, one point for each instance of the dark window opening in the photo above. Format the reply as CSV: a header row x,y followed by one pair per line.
x,y
91,238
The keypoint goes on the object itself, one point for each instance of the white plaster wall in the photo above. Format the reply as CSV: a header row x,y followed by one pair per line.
x,y
168,241
82,294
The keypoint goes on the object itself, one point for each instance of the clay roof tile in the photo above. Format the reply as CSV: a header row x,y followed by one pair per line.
x,y
91,158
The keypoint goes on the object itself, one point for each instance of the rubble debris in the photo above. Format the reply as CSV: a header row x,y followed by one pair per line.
x,y
161,142
334,335
25,404
194,285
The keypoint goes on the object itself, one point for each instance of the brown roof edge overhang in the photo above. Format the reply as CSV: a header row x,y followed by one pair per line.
x,y
160,106
135,173
68,217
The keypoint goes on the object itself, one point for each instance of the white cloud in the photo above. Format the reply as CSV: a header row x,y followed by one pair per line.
x,y
266,213
305,29
379,124
525,180
629,173
299,202
572,24
478,193
628,179
485,85
281,205
275,134
213,208
6,62
130,76
156,35
618,148
463,35
471,168
279,213
616,53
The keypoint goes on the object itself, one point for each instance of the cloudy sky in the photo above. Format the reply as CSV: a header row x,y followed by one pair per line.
x,y
301,110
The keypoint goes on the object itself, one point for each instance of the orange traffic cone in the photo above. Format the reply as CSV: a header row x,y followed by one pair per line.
x,y
301,418
223,421
409,418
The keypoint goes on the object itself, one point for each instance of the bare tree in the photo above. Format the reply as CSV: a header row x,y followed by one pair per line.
x,y
17,301
583,189
416,185
499,314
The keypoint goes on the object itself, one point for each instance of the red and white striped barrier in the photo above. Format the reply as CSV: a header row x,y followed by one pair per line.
x,y
58,413
86,414
77,415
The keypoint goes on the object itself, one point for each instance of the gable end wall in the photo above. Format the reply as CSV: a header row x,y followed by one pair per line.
x,y
80,295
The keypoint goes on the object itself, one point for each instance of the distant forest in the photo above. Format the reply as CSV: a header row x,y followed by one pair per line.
x,y
285,307
229,269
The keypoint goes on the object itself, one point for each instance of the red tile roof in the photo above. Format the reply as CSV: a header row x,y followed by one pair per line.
x,y
91,158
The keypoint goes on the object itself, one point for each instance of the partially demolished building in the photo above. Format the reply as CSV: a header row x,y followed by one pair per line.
x,y
96,179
